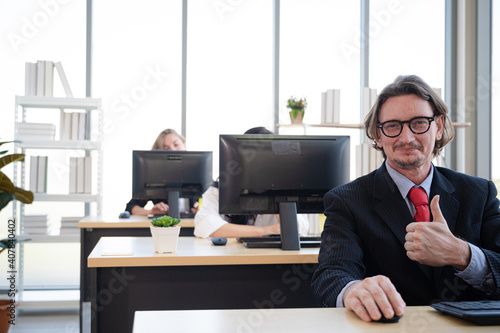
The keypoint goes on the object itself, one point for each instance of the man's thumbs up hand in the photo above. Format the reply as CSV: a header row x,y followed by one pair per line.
x,y
433,244
436,211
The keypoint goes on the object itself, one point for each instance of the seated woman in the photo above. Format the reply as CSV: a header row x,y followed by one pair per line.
x,y
209,223
167,139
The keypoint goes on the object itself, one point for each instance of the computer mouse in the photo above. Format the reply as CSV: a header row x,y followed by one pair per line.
x,y
383,319
219,240
124,215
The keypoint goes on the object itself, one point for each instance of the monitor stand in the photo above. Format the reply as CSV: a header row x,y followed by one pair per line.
x,y
289,226
173,204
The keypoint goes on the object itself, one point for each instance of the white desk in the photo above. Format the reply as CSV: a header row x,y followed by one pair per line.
x,y
417,319
92,228
198,276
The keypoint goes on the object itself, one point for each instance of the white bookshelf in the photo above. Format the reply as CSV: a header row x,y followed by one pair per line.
x,y
53,107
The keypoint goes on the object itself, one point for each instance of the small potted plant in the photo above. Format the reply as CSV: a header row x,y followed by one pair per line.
x,y
165,231
297,109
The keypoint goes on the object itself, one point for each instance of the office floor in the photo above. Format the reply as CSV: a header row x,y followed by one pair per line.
x,y
46,322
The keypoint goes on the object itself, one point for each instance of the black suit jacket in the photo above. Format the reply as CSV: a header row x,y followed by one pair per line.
x,y
364,236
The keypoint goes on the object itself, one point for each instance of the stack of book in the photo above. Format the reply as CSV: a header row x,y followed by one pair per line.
x,y
35,131
367,159
73,125
330,106
38,174
80,175
39,78
36,224
369,99
69,225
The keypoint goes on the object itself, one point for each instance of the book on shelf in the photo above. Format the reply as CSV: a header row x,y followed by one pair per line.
x,y
65,129
36,224
82,125
30,81
369,99
39,78
38,174
80,175
35,131
49,79
42,175
75,118
64,79
73,125
368,159
69,225
72,175
36,230
437,91
331,102
36,217
323,107
33,173
87,177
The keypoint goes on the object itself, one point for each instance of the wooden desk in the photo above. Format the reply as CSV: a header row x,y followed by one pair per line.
x,y
317,320
198,276
92,228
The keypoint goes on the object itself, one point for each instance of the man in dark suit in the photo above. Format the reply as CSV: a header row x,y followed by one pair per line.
x,y
374,258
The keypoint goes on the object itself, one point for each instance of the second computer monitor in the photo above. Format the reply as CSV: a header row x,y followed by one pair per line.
x,y
170,175
280,174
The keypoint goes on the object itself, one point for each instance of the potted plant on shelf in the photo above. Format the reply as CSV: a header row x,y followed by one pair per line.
x,y
7,193
165,231
297,109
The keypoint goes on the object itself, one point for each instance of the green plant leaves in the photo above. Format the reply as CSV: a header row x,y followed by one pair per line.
x,y
165,221
10,158
10,243
5,198
24,196
7,189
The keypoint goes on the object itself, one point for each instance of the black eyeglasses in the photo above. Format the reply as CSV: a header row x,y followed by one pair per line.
x,y
418,125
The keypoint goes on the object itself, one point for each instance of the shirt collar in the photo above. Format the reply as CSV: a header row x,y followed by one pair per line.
x,y
404,184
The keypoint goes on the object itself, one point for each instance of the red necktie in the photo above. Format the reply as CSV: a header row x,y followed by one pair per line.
x,y
418,196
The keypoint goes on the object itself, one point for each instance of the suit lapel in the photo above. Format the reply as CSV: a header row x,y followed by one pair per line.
x,y
392,208
448,204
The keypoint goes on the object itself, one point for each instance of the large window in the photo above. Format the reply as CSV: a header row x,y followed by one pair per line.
x,y
137,73
407,37
229,70
320,50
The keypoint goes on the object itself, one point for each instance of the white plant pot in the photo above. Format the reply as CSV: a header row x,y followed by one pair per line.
x,y
165,238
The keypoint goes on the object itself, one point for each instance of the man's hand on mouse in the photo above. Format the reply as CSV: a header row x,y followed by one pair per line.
x,y
433,244
368,297
159,208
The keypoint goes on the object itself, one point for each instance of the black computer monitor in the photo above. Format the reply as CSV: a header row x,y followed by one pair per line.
x,y
280,174
169,174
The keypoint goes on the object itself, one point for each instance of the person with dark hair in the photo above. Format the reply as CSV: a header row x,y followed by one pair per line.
x,y
384,246
167,139
209,223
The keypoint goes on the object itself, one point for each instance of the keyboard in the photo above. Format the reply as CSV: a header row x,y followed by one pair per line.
x,y
274,241
479,312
